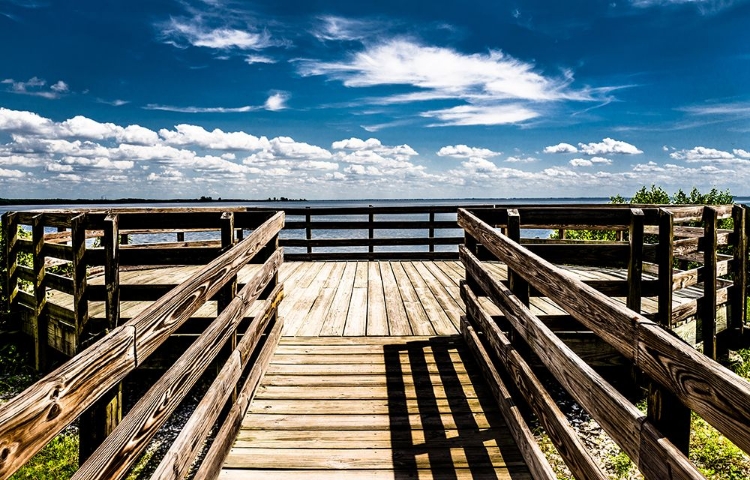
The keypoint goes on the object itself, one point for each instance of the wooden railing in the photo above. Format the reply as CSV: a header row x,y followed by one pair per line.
x,y
88,386
372,233
658,241
67,329
682,379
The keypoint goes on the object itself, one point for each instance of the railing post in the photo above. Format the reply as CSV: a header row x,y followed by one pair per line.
x,y
41,341
96,423
308,234
635,263
10,239
665,256
112,269
229,290
739,272
80,301
180,236
664,408
708,312
371,235
431,232
516,283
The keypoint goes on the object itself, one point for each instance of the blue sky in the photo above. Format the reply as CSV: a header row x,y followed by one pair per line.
x,y
344,99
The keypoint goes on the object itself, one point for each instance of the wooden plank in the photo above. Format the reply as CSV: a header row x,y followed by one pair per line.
x,y
357,392
665,257
318,439
335,321
398,323
418,319
708,312
635,261
318,314
356,317
437,313
377,318
40,317
505,473
739,270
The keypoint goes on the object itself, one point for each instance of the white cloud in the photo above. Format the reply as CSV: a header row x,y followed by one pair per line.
x,y
580,162
171,108
464,151
37,87
699,154
561,148
601,160
481,115
608,146
497,88
5,173
521,159
217,139
357,144
198,35
251,59
741,153
334,28
28,123
277,101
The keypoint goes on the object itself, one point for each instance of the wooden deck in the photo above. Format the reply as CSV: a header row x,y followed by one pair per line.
x,y
373,407
360,298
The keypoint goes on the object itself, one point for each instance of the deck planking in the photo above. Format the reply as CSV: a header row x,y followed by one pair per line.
x,y
373,407
352,299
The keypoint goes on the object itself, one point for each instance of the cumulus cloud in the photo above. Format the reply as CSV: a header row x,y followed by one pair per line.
x,y
608,146
601,160
464,151
561,148
277,101
701,154
580,162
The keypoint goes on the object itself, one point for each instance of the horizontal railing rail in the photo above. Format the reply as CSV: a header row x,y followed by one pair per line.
x,y
684,379
84,385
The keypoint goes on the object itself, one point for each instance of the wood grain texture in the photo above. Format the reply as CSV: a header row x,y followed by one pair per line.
x,y
122,448
562,435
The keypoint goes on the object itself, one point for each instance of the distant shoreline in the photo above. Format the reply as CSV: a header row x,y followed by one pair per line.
x,y
115,201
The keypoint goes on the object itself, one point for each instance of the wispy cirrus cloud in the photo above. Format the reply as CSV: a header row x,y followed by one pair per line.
x,y
275,102
193,32
37,87
336,28
494,88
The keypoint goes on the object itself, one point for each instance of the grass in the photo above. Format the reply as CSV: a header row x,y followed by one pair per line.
x,y
57,460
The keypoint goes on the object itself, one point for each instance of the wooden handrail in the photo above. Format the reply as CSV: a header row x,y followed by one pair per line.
x,y
715,393
34,417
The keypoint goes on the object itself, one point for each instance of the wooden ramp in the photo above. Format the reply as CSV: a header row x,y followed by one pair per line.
x,y
374,407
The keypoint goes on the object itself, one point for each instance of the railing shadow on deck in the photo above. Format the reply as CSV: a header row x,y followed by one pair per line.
x,y
458,441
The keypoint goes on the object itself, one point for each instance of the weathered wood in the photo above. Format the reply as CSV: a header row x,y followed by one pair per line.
x,y
10,246
30,420
212,462
635,262
112,269
40,294
363,242
665,259
739,270
227,293
704,386
376,225
98,422
565,439
530,450
617,416
182,452
516,283
122,448
80,300
54,250
708,312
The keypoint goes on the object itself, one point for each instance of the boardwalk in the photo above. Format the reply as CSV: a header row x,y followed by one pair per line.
x,y
373,407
